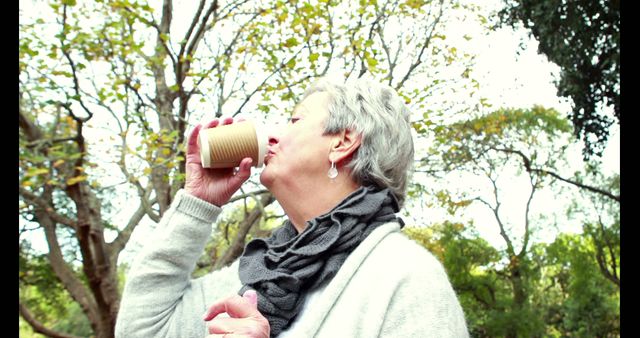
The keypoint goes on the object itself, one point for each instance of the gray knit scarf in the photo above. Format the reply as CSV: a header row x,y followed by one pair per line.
x,y
285,267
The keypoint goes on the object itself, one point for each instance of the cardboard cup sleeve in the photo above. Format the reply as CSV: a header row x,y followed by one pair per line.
x,y
225,146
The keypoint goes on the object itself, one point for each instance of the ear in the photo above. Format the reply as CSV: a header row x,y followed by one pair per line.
x,y
345,145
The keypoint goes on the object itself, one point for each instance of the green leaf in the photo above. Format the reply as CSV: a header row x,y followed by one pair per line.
x,y
372,62
263,108
291,42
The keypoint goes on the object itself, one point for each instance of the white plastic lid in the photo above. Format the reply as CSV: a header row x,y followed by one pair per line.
x,y
261,136
205,151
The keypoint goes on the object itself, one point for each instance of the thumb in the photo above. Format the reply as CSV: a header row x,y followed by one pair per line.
x,y
252,297
243,173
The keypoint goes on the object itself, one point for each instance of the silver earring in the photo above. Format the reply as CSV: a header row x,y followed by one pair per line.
x,y
333,172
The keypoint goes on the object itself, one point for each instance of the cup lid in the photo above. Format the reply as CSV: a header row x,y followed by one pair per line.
x,y
262,138
205,151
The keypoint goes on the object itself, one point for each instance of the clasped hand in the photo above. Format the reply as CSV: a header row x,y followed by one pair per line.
x,y
244,318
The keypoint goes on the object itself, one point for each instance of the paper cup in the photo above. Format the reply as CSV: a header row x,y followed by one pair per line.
x,y
225,146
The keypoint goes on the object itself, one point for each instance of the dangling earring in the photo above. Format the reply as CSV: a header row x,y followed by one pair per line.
x,y
333,172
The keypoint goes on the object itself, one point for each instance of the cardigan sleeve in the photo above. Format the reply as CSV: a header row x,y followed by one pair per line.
x,y
160,299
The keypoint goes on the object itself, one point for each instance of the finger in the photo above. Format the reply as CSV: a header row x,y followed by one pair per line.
x,y
192,144
242,175
212,124
235,306
252,297
226,324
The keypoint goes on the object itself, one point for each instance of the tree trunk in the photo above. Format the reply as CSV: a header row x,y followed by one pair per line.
x,y
101,275
519,293
237,246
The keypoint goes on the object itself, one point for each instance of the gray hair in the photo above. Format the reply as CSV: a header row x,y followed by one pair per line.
x,y
379,114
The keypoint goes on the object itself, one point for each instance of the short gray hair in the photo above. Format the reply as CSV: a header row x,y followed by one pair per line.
x,y
379,114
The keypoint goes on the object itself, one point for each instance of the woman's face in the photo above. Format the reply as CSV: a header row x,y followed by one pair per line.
x,y
298,156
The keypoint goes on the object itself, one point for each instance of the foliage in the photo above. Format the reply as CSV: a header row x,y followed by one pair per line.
x,y
569,297
47,299
227,228
589,304
524,299
601,222
502,130
480,280
583,38
110,89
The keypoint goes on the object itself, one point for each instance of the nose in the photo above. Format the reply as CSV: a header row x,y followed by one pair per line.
x,y
275,131
273,140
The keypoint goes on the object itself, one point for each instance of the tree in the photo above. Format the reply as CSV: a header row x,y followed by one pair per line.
x,y
587,303
485,147
583,39
529,145
110,89
600,218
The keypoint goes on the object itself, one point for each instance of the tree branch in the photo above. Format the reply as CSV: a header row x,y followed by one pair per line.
x,y
39,327
496,213
184,67
236,247
527,164
32,132
76,85
118,244
427,40
187,35
227,52
526,218
67,277
250,194
374,24
602,257
37,201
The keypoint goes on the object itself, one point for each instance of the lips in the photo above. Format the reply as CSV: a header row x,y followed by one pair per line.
x,y
268,156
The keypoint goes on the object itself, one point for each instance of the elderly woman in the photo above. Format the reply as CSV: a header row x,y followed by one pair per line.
x,y
338,267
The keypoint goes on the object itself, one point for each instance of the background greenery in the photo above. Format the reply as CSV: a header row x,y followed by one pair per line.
x,y
110,89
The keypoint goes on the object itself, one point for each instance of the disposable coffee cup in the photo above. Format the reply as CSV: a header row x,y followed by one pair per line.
x,y
225,146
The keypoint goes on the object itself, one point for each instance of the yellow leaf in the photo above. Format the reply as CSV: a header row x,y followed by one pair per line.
x,y
147,171
77,179
58,163
36,172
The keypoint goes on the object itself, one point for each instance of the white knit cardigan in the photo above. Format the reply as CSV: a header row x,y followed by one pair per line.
x,y
388,287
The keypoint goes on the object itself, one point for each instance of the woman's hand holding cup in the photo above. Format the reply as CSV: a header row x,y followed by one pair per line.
x,y
215,186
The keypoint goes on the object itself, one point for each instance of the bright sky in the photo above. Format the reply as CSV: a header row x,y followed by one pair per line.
x,y
507,80
512,80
